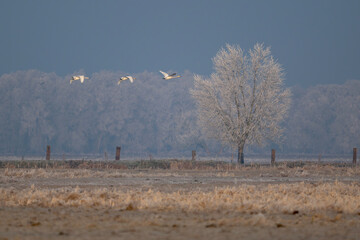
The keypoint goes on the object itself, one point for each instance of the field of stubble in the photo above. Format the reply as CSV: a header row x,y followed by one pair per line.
x,y
258,202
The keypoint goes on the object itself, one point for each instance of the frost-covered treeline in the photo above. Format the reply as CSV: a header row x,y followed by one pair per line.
x,y
42,108
324,119
152,116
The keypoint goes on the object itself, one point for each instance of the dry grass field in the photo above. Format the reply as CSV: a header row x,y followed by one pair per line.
x,y
306,201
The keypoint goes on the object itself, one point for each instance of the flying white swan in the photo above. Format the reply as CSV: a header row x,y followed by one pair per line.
x,y
79,77
130,78
171,76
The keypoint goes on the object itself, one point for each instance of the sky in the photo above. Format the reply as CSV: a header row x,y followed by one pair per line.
x,y
316,42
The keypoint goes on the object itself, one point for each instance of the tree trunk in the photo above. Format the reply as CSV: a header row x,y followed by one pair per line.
x,y
241,153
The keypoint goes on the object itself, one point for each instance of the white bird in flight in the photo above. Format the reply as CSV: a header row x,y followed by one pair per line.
x,y
171,76
130,78
79,77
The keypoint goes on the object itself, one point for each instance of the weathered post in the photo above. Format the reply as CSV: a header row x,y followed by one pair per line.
x,y
354,155
48,152
272,156
319,158
193,155
117,156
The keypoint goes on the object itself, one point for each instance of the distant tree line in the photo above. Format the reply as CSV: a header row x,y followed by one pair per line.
x,y
324,119
153,116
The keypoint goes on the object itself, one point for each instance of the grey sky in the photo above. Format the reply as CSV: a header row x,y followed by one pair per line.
x,y
317,42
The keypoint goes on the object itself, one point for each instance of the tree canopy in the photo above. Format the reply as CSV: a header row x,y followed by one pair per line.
x,y
244,100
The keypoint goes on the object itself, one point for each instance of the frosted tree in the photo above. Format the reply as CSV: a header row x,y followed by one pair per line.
x,y
243,101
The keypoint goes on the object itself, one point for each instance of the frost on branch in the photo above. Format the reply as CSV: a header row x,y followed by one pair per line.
x,y
244,100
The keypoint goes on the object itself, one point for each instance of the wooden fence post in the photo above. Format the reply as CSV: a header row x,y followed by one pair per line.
x,y
272,156
193,155
117,156
354,156
48,152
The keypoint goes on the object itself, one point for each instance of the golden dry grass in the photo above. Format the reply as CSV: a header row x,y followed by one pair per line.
x,y
176,169
321,200
278,198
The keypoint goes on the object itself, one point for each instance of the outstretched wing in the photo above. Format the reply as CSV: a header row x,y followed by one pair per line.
x,y
130,78
164,73
173,74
